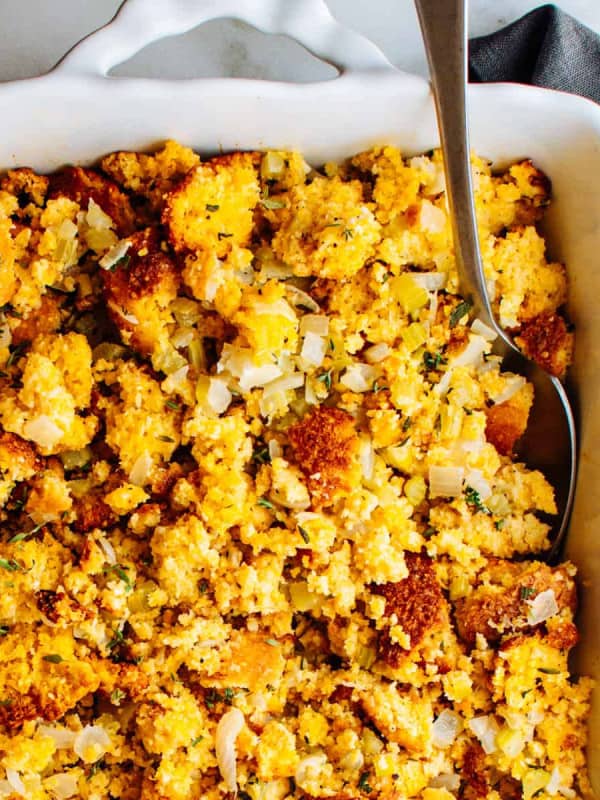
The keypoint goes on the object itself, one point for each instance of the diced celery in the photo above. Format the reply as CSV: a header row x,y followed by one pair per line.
x,y
409,294
414,336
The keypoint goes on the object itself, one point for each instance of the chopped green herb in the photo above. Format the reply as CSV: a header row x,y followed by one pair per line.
x,y
228,695
116,696
433,360
378,388
458,312
272,642
117,639
526,592
163,438
549,671
526,692
172,404
261,455
325,377
3,630
212,698
262,501
10,566
120,571
5,703
19,537
222,235
196,741
348,234
53,658
406,424
363,783
272,203
499,524
212,207
203,586
429,532
304,534
16,353
95,768
331,344
473,498
121,262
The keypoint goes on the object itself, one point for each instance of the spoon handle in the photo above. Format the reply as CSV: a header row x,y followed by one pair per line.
x,y
444,28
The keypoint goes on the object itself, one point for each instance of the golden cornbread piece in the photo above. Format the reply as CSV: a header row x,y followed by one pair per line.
x,y
25,184
18,461
324,228
83,185
151,175
506,422
547,340
212,208
56,384
501,605
138,290
325,446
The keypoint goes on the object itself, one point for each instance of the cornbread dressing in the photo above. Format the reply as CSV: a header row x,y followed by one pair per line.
x,y
263,529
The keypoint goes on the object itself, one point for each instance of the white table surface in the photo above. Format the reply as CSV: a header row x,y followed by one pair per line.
x,y
36,33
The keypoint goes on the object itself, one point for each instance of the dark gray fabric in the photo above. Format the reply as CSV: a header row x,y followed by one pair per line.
x,y
546,47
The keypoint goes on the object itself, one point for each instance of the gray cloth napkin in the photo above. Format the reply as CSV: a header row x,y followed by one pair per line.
x,y
546,47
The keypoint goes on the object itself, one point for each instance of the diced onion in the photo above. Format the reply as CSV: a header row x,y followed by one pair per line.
x,y
96,218
62,785
284,384
444,383
446,728
43,431
313,349
301,298
308,768
445,481
187,312
474,478
367,457
359,377
279,308
314,323
275,449
377,353
91,743
63,738
115,254
485,729
481,329
472,352
512,386
107,549
218,396
432,281
446,780
431,218
183,337
13,777
228,729
140,472
542,607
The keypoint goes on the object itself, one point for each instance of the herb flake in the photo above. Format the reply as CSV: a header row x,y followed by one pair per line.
x,y
458,312
53,658
304,534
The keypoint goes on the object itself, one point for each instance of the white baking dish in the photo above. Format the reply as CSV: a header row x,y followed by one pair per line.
x,y
76,114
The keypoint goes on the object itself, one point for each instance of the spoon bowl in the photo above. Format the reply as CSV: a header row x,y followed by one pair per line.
x,y
549,443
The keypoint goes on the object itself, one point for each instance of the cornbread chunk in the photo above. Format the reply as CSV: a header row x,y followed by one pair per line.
x,y
56,384
139,288
547,340
325,446
324,228
83,185
212,209
501,605
150,176
18,461
506,422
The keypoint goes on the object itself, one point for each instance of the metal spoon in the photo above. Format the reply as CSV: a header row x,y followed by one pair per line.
x,y
549,443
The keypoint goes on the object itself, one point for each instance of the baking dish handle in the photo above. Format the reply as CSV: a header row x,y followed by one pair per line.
x,y
141,22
